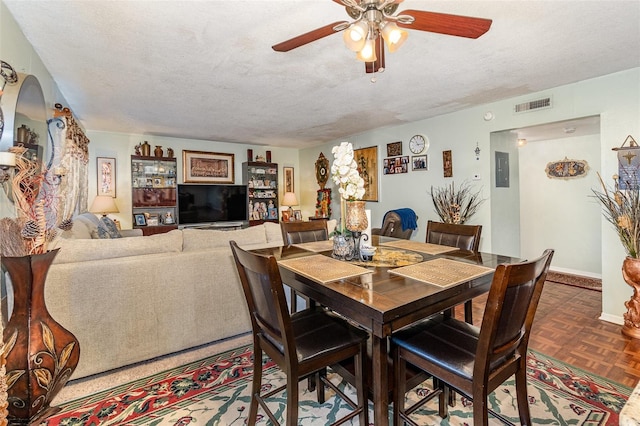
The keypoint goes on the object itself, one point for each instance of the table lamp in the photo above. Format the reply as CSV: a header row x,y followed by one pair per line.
x,y
104,204
290,200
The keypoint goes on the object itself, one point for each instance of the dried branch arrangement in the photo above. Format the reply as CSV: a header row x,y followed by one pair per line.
x,y
33,206
455,205
622,210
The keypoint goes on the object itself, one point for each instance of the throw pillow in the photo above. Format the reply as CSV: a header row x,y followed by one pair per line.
x,y
108,228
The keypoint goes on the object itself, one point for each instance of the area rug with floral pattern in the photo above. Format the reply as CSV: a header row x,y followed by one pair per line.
x,y
216,391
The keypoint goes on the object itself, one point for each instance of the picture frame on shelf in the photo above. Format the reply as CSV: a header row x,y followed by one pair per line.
x,y
367,162
106,171
207,167
140,219
153,220
297,215
288,179
286,217
419,162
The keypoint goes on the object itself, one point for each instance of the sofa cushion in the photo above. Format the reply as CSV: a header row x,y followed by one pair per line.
x,y
274,233
82,250
83,226
107,229
204,239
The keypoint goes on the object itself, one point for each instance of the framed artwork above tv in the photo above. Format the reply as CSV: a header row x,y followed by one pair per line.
x,y
207,167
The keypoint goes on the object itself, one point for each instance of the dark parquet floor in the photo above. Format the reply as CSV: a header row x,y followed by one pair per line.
x,y
566,327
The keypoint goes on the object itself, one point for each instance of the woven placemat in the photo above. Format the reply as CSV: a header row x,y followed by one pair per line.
x,y
323,269
442,272
421,247
316,246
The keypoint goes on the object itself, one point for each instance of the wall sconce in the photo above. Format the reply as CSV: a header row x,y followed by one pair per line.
x,y
477,151
522,142
58,173
7,162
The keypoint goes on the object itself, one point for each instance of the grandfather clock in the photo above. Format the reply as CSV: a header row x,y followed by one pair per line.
x,y
323,201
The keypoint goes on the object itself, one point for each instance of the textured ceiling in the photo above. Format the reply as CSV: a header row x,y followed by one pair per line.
x,y
206,70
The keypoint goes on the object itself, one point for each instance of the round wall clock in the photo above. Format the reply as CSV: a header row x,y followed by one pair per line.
x,y
322,170
418,143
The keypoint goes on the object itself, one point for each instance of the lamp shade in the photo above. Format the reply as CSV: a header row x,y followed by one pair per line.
x,y
368,52
355,36
289,199
104,204
7,159
394,36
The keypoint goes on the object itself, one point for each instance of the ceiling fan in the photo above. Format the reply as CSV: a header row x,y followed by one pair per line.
x,y
374,21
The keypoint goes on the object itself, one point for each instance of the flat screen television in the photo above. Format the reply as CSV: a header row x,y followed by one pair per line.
x,y
205,204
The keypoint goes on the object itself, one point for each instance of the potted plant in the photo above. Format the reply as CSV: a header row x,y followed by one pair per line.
x,y
621,208
344,173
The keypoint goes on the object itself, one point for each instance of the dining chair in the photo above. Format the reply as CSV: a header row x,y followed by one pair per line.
x,y
464,237
392,224
302,344
303,232
475,361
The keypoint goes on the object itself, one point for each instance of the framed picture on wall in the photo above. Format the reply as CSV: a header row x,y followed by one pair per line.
x,y
288,179
106,168
419,162
207,167
367,161
394,148
447,164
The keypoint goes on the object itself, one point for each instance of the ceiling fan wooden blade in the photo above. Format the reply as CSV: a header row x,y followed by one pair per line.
x,y
444,23
306,38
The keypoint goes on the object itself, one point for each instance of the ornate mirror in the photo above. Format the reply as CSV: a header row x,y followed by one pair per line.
x,y
25,116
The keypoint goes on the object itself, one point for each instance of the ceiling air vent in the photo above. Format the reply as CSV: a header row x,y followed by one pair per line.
x,y
532,105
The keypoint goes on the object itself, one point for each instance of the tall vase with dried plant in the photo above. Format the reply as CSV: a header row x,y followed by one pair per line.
x,y
40,354
621,208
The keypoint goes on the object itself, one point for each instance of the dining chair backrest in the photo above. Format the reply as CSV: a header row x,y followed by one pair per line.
x,y
392,227
464,237
264,293
509,312
304,232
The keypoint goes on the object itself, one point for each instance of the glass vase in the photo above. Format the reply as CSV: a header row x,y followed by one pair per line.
x,y
341,247
356,216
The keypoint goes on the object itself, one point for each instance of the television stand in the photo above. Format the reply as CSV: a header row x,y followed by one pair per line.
x,y
221,226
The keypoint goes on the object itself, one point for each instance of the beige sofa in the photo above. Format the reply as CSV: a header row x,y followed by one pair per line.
x,y
132,299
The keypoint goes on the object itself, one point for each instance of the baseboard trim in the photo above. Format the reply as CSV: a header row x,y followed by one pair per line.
x,y
612,318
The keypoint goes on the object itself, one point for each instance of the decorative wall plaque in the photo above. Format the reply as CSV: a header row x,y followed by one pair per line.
x,y
567,169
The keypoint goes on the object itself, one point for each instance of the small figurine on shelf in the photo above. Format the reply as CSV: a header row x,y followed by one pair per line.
x,y
273,212
169,152
260,159
137,149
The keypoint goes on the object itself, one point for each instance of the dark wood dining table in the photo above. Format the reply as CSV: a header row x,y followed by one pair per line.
x,y
382,302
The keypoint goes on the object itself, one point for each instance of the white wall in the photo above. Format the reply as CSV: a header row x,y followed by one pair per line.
x,y
561,213
505,201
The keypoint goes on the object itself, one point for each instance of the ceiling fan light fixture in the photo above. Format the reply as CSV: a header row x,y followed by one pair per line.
x,y
355,36
368,52
393,36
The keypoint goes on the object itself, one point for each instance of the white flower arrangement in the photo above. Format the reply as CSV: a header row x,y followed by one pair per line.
x,y
344,172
